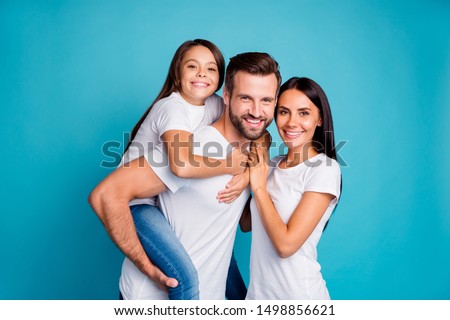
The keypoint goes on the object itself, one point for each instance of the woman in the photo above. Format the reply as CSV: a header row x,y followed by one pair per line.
x,y
294,197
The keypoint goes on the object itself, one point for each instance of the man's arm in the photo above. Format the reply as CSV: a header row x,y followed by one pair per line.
x,y
110,200
245,222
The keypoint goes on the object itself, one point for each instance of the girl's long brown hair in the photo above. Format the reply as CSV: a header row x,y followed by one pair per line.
x,y
173,79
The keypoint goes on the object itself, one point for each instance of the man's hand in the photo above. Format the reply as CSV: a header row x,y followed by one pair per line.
x,y
157,276
110,200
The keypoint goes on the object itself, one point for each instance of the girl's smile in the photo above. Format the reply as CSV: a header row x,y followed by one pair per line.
x,y
199,75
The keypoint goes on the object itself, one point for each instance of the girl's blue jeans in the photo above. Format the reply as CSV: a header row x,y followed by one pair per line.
x,y
167,253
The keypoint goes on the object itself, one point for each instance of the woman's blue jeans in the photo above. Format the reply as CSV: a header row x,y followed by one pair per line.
x,y
167,253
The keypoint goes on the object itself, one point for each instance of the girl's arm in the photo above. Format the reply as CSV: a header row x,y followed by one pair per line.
x,y
239,182
185,164
286,238
234,187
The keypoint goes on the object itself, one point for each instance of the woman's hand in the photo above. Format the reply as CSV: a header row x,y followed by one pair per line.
x,y
259,167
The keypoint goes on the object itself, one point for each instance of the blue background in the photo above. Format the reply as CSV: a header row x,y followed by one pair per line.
x,y
77,74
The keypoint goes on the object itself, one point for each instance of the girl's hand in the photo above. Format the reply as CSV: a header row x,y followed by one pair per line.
x,y
237,161
234,188
259,167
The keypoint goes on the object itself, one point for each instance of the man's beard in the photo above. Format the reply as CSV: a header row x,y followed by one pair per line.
x,y
248,132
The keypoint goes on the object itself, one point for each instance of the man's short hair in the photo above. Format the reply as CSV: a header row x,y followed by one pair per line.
x,y
255,63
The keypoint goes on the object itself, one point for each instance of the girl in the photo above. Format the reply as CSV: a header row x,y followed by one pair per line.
x,y
292,203
186,103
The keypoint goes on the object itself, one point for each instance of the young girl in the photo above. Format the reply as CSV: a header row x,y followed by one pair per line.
x,y
293,200
186,103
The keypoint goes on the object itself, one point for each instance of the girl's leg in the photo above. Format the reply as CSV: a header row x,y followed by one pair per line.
x,y
165,251
236,289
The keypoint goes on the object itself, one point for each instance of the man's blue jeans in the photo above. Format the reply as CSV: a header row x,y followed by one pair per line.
x,y
167,253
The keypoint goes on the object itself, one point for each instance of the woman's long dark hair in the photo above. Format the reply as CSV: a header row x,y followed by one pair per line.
x,y
173,79
323,139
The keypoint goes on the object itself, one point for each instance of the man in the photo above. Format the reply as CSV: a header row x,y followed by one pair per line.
x,y
205,227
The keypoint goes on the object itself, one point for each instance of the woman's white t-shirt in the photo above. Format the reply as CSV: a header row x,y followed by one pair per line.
x,y
298,276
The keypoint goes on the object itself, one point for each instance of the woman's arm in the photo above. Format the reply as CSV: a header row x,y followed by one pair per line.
x,y
185,164
286,238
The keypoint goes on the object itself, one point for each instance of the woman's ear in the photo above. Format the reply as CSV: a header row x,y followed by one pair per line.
x,y
320,122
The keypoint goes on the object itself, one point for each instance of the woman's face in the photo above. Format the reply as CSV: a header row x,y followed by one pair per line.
x,y
297,119
199,75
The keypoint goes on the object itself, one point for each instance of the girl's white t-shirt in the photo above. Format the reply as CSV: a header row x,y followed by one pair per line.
x,y
170,113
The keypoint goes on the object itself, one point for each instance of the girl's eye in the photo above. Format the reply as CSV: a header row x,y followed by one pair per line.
x,y
212,70
304,113
191,66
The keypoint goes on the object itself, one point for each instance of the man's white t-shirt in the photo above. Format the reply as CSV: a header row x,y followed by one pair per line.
x,y
298,276
170,113
205,227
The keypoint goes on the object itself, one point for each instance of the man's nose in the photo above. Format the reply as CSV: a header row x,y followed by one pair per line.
x,y
256,110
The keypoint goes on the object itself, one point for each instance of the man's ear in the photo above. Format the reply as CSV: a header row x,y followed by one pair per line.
x,y
225,96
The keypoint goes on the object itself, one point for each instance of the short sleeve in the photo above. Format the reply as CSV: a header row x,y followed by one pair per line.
x,y
171,115
158,160
325,178
214,105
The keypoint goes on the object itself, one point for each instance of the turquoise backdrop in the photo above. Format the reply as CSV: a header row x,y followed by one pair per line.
x,y
77,74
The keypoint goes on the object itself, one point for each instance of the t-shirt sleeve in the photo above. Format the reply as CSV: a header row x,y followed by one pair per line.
x,y
325,178
172,115
158,160
215,107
